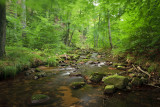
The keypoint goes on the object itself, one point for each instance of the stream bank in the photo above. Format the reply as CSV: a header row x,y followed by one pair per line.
x,y
55,82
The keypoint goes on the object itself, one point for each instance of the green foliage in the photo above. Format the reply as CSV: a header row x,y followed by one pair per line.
x,y
18,59
53,26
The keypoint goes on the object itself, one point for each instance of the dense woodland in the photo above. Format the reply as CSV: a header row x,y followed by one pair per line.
x,y
80,53
51,27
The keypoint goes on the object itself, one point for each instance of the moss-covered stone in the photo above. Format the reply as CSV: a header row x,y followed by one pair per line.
x,y
136,81
119,82
118,64
39,98
96,77
120,67
76,85
38,70
41,74
109,89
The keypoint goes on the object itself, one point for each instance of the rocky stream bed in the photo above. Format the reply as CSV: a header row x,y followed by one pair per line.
x,y
85,79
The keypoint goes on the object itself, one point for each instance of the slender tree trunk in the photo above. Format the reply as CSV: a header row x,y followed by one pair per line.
x,y
15,15
99,23
109,30
94,33
2,27
71,38
67,34
24,23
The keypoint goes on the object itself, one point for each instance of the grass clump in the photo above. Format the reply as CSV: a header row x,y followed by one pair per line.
x,y
18,59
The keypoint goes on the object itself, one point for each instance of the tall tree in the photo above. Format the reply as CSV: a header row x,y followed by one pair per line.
x,y
2,27
24,22
109,30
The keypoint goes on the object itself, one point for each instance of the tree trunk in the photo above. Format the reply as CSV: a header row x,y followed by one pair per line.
x,y
94,34
15,15
2,27
109,30
67,34
99,24
71,38
24,23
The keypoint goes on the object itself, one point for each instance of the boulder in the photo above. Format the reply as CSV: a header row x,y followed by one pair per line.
x,y
136,81
119,82
109,89
39,98
76,85
96,77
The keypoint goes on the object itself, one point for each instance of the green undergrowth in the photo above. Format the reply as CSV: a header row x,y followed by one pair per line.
x,y
18,59
146,63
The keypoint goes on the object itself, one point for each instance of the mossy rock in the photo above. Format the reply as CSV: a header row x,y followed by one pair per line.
x,y
39,98
96,77
41,74
120,67
109,89
38,70
118,64
76,85
136,81
119,82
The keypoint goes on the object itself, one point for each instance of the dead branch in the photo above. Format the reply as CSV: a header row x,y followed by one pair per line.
x,y
145,72
134,67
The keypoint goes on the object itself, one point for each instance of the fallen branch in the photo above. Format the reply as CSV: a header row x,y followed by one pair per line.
x,y
145,72
134,67
138,68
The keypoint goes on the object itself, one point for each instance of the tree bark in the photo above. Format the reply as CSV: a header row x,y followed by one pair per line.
x,y
71,38
109,30
67,34
2,27
15,15
24,23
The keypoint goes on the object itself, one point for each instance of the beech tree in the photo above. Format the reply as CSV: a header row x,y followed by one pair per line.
x,y
2,27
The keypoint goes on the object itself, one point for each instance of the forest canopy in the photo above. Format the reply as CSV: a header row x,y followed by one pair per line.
x,y
53,25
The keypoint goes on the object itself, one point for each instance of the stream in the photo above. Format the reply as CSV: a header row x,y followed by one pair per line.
x,y
18,92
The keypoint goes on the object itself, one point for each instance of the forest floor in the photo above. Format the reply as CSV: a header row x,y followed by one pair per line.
x,y
80,80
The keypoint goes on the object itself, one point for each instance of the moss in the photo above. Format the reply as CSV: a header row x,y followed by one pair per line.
x,y
109,89
96,77
39,96
76,85
119,82
153,67
38,70
121,67
118,64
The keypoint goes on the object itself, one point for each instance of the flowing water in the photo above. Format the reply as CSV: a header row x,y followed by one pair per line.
x,y
18,92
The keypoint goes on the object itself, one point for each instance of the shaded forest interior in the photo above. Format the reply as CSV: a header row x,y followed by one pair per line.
x,y
33,31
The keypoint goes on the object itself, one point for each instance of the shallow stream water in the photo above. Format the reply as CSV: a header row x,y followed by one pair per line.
x,y
18,92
